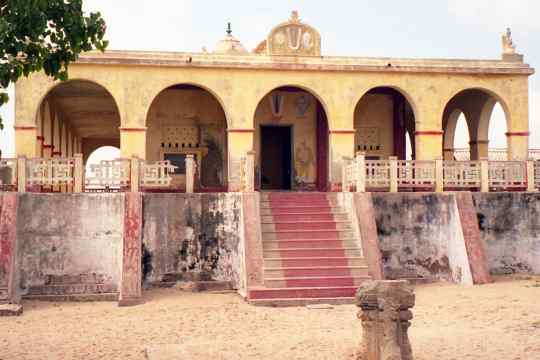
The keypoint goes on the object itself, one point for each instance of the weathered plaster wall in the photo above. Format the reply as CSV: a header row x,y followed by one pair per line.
x,y
185,235
194,108
69,240
420,236
510,227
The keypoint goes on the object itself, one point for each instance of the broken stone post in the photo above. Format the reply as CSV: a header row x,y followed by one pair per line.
x,y
190,173
360,162
385,319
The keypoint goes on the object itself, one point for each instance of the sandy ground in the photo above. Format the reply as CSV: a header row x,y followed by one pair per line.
x,y
497,321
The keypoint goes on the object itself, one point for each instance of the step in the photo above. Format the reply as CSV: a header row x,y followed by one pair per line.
x,y
302,301
320,281
287,196
72,289
305,217
309,244
308,234
311,253
299,209
306,225
315,271
290,262
302,293
105,297
297,203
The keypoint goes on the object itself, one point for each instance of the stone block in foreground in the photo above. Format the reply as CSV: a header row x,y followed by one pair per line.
x,y
11,310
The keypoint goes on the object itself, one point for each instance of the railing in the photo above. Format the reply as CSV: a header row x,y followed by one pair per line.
x,y
416,174
507,174
108,176
50,172
461,174
537,174
377,174
8,174
349,175
157,174
494,154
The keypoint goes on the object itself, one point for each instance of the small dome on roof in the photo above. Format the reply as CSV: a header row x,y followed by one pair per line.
x,y
230,45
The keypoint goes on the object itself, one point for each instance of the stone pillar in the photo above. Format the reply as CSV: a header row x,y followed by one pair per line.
x,y
531,184
479,149
47,134
393,174
25,140
56,125
360,169
190,173
239,142
21,174
385,319
250,171
78,172
439,175
135,178
133,142
518,145
341,145
484,175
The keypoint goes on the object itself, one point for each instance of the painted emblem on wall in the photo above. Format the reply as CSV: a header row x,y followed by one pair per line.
x,y
277,102
294,38
303,102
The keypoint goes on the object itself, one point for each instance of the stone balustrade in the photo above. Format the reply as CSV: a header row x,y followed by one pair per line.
x,y
395,175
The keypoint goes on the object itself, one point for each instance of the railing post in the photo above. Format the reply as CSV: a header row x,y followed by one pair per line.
x,y
250,171
484,174
393,173
360,170
135,173
21,174
78,174
190,173
439,175
344,164
531,184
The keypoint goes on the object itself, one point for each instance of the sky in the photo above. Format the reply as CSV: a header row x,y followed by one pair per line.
x,y
391,28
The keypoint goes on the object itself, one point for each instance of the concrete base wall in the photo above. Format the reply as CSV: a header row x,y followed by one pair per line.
x,y
193,236
69,243
510,227
420,237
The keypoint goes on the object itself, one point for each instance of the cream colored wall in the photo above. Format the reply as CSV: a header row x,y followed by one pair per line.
x,y
240,90
304,133
374,123
191,108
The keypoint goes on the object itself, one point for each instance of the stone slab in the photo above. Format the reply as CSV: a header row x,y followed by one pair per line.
x,y
8,235
11,310
253,240
131,277
365,215
476,249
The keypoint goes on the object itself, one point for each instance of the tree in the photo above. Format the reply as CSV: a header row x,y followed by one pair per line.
x,y
44,35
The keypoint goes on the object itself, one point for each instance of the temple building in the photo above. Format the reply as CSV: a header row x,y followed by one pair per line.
x,y
300,112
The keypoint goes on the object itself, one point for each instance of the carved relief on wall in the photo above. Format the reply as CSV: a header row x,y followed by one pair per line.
x,y
303,103
368,138
294,38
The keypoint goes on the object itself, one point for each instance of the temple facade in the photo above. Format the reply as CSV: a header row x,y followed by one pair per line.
x,y
298,111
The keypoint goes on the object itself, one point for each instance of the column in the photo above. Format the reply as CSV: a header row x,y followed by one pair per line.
x,y
133,142
518,145
240,141
56,125
341,145
25,140
479,149
47,133
39,132
428,144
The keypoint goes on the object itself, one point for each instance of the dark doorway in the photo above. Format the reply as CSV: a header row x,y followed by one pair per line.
x,y
276,157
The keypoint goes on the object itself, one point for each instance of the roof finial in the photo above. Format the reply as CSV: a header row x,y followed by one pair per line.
x,y
294,16
229,29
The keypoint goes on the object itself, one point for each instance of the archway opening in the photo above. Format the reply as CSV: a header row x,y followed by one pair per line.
x,y
291,141
382,119
486,122
188,120
77,116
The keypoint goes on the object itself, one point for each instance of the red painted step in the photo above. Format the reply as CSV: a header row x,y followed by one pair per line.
x,y
321,281
307,225
315,261
290,293
303,244
300,209
307,217
316,271
303,234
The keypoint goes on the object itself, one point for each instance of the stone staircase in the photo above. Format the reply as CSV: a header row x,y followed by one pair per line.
x,y
311,252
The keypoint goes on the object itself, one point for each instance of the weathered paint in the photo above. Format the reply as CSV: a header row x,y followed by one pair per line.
x,y
420,237
476,249
69,243
8,221
193,236
510,227
130,283
253,240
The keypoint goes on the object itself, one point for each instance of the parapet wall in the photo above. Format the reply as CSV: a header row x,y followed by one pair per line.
x,y
510,227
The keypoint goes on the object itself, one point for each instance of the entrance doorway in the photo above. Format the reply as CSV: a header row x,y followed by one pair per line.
x,y
276,157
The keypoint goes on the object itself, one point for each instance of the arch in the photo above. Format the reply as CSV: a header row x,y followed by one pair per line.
x,y
398,89
189,83
305,88
56,84
185,119
382,117
301,117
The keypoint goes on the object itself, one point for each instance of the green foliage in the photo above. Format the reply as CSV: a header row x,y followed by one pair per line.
x,y
44,35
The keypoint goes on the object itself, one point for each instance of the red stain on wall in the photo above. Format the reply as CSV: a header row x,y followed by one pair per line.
x,y
8,223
